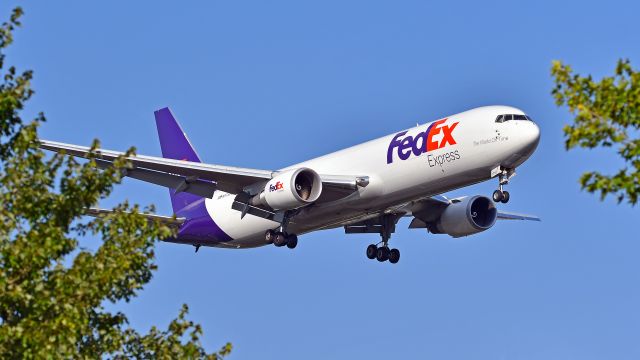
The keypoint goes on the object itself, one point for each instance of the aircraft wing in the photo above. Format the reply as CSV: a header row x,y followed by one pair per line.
x,y
429,209
503,215
231,179
439,202
193,177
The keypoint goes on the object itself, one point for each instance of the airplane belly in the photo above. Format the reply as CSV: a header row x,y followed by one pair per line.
x,y
245,232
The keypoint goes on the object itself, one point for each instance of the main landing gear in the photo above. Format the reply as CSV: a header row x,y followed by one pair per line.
x,y
383,253
501,195
280,239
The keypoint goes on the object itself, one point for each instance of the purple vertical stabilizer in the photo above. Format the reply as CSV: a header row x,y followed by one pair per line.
x,y
175,145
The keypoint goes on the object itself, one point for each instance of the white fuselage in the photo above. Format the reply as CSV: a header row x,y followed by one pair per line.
x,y
422,161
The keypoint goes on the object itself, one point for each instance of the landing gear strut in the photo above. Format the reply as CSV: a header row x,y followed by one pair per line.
x,y
501,195
381,251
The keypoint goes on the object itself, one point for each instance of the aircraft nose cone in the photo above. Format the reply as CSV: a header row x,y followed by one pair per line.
x,y
530,136
534,133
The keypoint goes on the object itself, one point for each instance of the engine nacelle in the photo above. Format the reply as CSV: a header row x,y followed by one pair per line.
x,y
468,216
292,189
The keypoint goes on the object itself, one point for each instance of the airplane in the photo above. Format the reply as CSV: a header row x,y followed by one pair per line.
x,y
366,188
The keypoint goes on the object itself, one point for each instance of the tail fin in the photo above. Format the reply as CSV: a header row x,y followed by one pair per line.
x,y
175,145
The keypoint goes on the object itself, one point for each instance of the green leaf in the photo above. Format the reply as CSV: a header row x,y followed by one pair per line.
x,y
606,113
52,291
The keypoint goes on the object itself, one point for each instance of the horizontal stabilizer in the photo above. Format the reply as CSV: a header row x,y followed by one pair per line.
x,y
167,220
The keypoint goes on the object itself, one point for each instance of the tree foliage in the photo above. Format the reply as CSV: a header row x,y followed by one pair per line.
x,y
53,291
607,114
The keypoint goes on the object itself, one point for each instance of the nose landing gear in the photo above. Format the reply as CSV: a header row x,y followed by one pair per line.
x,y
501,195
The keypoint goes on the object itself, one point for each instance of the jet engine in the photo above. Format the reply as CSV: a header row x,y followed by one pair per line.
x,y
467,216
290,190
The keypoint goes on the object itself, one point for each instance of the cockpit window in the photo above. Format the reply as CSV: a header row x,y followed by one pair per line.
x,y
509,117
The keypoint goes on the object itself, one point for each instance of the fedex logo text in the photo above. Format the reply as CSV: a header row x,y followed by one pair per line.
x,y
422,142
277,186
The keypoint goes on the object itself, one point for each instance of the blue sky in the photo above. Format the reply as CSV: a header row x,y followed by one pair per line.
x,y
267,84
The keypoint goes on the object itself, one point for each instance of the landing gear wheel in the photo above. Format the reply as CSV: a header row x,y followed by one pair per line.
x,y
394,256
269,235
292,241
498,196
383,254
505,197
279,239
372,251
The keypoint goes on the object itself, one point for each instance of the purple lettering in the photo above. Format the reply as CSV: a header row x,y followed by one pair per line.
x,y
418,148
394,143
406,144
422,142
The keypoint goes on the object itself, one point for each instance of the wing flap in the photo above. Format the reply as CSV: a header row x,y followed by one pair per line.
x,y
180,183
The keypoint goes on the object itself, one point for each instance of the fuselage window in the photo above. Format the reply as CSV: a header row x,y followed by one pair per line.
x,y
508,117
519,117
